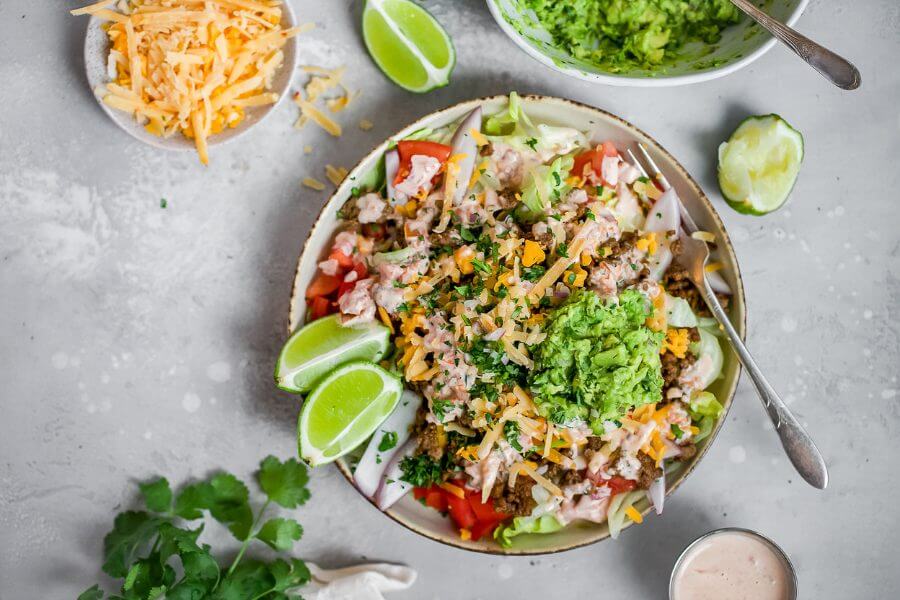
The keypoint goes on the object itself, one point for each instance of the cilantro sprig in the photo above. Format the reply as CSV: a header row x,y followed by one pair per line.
x,y
158,556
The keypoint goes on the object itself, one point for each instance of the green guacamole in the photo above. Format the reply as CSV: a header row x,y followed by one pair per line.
x,y
598,360
619,35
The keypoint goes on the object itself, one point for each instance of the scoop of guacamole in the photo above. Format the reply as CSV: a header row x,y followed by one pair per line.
x,y
618,35
598,360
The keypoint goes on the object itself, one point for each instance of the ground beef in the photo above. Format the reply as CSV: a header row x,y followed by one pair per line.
x,y
688,451
433,441
677,283
649,471
672,366
515,501
349,211
562,476
614,248
594,443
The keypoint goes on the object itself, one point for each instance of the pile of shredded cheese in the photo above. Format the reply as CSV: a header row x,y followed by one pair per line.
x,y
191,66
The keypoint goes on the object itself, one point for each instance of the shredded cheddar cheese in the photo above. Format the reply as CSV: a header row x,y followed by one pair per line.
x,y
634,515
191,67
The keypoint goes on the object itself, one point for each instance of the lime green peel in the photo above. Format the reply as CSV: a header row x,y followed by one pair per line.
x,y
344,409
408,44
759,164
318,347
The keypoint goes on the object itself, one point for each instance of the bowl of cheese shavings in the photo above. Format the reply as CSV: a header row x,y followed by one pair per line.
x,y
188,74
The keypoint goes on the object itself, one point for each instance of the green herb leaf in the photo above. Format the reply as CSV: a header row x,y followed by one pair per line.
x,y
131,533
676,431
420,470
388,441
157,495
481,266
92,593
280,534
511,433
284,482
563,250
225,497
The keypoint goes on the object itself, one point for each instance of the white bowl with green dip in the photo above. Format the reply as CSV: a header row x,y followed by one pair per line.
x,y
642,43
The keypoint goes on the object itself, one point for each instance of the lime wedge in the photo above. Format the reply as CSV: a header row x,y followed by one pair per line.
x,y
320,346
344,409
408,44
759,164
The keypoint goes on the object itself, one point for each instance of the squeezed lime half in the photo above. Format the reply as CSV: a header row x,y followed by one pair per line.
x,y
759,164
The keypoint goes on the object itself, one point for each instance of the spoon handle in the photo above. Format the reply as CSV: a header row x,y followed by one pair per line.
x,y
797,444
838,70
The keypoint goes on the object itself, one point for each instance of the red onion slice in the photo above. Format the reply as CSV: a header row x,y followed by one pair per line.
x,y
392,488
657,493
663,215
373,463
463,143
391,166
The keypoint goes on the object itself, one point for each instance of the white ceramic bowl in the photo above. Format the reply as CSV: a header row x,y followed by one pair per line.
x,y
740,45
426,521
96,50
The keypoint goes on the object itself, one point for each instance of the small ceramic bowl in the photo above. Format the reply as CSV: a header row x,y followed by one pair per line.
x,y
740,45
96,50
602,126
776,549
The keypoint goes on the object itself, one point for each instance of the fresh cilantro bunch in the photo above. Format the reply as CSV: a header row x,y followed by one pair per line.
x,y
158,557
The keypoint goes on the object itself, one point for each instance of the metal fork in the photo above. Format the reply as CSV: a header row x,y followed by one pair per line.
x,y
693,257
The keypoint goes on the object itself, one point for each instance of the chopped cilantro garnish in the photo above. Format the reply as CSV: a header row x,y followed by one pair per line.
x,y
677,431
563,250
531,143
533,273
163,203
354,192
388,441
440,408
482,266
420,470
511,433
590,215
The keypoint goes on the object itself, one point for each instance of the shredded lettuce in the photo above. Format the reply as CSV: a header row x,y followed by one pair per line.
x,y
615,515
543,524
705,409
505,123
546,184
679,312
709,346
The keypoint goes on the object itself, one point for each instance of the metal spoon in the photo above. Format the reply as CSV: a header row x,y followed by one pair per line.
x,y
796,442
836,69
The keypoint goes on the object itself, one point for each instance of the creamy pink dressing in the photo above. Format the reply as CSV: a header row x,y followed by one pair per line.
x,y
732,565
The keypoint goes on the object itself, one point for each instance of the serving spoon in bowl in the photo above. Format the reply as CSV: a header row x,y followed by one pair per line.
x,y
836,69
693,255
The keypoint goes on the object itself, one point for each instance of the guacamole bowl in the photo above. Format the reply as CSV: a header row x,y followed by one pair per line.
x,y
740,45
600,125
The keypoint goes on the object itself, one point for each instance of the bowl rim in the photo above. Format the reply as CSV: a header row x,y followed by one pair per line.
x,y
294,319
131,127
647,82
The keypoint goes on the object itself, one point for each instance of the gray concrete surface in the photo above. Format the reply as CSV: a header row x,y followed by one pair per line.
x,y
138,340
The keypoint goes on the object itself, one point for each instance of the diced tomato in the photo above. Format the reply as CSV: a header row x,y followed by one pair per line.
x,y
619,484
323,285
581,161
420,492
484,511
594,158
608,149
409,148
361,273
343,261
461,512
319,307
437,499
483,528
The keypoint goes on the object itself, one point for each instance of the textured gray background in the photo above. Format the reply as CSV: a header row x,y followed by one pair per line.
x,y
137,340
